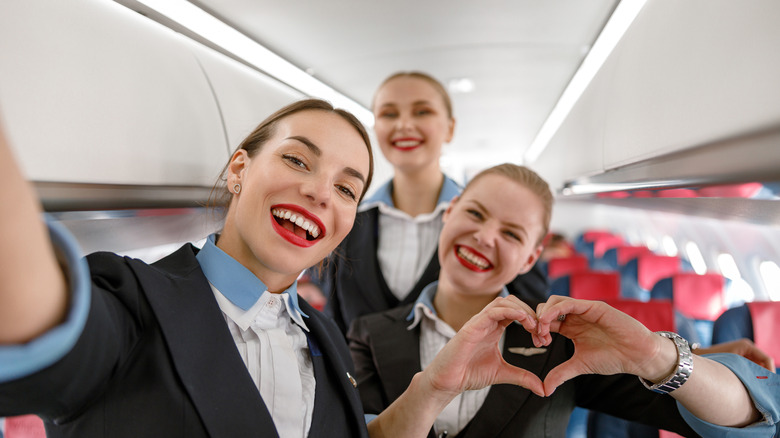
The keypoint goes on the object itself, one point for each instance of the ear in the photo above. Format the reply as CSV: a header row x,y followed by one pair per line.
x,y
238,163
450,130
449,209
529,263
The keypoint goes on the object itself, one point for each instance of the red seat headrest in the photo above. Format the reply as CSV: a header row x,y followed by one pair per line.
x,y
560,266
766,326
653,267
594,285
656,315
699,296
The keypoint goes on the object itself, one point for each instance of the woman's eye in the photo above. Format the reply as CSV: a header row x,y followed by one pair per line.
x,y
388,115
347,191
474,213
423,112
294,161
513,236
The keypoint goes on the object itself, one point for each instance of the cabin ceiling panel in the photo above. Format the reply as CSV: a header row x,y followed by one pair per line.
x,y
520,54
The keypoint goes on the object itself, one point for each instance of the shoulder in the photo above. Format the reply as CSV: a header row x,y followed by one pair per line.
x,y
380,322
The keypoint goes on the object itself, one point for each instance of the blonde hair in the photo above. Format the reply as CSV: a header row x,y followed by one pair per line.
x,y
425,77
528,179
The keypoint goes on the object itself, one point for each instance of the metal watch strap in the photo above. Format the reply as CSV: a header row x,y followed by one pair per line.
x,y
681,373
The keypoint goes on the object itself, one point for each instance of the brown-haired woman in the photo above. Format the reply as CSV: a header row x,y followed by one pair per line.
x,y
210,342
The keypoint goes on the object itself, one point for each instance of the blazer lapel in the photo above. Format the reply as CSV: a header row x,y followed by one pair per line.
x,y
201,347
362,245
504,401
332,369
397,351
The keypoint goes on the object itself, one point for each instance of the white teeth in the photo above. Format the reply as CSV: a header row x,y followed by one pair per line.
x,y
474,259
406,143
300,221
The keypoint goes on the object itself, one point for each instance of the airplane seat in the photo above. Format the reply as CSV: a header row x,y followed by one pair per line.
x,y
656,315
758,321
559,266
585,242
587,285
698,300
24,426
619,255
639,275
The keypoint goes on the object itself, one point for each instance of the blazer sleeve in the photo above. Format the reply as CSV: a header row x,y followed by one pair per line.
x,y
117,314
763,387
366,373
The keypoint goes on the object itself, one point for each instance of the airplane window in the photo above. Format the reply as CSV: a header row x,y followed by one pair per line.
x,y
728,267
695,257
669,246
651,243
770,274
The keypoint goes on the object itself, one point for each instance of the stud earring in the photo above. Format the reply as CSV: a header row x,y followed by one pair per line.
x,y
237,188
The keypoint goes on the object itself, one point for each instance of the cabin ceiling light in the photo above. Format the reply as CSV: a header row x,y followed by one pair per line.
x,y
624,14
460,85
228,38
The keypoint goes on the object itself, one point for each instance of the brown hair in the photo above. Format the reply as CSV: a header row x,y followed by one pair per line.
x,y
425,77
221,196
528,179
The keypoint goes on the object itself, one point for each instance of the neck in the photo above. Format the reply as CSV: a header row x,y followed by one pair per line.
x,y
456,307
417,193
276,282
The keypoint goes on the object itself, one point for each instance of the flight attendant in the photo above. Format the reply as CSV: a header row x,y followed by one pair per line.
x,y
210,342
390,255
492,233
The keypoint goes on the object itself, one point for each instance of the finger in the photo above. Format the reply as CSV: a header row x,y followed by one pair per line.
x,y
560,374
517,376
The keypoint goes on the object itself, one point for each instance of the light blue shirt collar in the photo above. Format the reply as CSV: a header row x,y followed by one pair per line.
x,y
237,283
384,194
425,300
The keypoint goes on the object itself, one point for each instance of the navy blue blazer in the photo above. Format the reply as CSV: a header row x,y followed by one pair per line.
x,y
352,280
157,359
387,355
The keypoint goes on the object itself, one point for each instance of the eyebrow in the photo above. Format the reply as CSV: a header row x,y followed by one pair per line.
x,y
509,224
318,152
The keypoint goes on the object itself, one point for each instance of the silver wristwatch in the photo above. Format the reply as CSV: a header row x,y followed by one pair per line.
x,y
681,373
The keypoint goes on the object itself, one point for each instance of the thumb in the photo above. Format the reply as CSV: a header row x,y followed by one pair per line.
x,y
518,376
560,374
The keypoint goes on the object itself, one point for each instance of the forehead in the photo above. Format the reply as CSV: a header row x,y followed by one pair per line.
x,y
506,199
407,89
338,139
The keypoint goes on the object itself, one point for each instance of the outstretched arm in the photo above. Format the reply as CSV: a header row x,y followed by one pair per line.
x,y
742,347
470,360
32,292
607,341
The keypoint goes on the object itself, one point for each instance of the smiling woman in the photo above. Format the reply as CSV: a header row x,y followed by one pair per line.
x,y
150,333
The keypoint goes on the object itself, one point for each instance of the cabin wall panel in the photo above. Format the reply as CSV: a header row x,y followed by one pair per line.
x,y
94,93
691,73
685,74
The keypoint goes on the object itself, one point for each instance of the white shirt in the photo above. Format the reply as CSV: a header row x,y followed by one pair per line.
x,y
276,353
406,244
434,334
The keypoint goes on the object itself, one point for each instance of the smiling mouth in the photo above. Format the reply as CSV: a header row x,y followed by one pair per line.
x,y
472,260
295,223
407,143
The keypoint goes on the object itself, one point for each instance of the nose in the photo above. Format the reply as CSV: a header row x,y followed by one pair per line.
x,y
317,190
486,235
404,121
